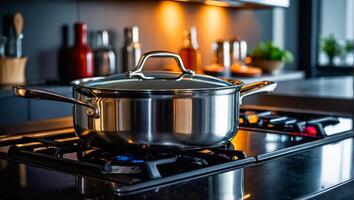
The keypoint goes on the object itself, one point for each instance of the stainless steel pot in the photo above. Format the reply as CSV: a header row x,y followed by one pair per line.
x,y
182,110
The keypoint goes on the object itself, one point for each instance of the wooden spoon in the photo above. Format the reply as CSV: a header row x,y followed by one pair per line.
x,y
18,23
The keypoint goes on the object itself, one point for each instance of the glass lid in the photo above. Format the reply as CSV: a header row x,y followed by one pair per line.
x,y
138,80
156,80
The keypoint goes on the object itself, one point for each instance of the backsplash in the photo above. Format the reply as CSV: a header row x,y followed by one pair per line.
x,y
161,24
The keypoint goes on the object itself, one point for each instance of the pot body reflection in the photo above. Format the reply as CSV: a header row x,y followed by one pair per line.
x,y
184,121
227,185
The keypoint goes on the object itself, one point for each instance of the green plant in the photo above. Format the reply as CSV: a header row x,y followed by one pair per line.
x,y
268,51
349,46
331,47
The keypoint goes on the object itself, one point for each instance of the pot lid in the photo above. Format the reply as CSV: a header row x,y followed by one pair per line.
x,y
148,81
156,80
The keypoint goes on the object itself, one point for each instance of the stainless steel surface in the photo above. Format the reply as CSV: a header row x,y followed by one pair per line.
x,y
229,185
169,120
183,118
222,54
185,122
105,58
159,54
21,91
132,48
238,51
257,87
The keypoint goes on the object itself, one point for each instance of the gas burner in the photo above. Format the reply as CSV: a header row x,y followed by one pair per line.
x,y
290,123
139,163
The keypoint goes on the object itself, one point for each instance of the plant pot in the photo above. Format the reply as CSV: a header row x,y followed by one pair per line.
x,y
268,66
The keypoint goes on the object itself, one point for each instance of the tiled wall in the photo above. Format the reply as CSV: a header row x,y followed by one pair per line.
x,y
161,24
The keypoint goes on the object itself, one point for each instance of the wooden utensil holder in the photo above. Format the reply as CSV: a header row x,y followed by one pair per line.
x,y
12,70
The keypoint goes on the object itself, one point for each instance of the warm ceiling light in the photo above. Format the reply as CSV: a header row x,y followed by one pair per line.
x,y
216,3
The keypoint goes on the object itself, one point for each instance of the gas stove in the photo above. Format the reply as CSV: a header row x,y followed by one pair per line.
x,y
302,124
265,134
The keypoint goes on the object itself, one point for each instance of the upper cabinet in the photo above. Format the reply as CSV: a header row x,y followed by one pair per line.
x,y
244,4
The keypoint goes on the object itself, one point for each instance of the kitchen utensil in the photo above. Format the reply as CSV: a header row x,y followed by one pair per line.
x,y
105,58
18,26
131,49
222,55
165,109
238,50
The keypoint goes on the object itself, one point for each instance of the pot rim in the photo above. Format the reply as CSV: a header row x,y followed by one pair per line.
x,y
235,86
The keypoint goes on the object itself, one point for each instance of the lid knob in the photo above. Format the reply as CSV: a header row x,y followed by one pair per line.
x,y
159,54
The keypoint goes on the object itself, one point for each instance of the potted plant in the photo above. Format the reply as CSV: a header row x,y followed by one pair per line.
x,y
332,48
269,57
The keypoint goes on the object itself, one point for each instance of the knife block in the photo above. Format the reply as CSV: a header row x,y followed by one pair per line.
x,y
12,70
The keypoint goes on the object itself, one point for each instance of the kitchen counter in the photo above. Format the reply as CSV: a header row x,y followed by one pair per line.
x,y
320,171
330,94
282,76
325,87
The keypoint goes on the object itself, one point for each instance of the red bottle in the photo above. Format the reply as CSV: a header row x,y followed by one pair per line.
x,y
81,56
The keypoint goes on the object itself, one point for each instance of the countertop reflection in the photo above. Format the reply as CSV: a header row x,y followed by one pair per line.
x,y
302,174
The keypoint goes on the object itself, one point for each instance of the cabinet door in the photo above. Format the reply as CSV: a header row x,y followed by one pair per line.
x,y
13,110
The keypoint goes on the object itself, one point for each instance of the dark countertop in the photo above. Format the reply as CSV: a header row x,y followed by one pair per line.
x,y
326,87
329,94
304,174
307,173
282,76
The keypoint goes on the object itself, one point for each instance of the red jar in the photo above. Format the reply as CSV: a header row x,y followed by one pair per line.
x,y
80,55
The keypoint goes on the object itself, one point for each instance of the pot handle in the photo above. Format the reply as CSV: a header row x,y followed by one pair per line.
x,y
159,54
257,87
24,92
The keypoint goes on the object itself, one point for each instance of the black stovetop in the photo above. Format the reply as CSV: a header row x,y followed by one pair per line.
x,y
255,143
